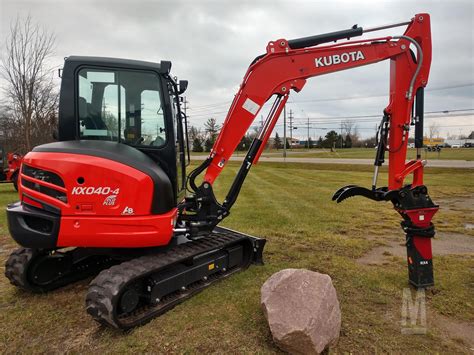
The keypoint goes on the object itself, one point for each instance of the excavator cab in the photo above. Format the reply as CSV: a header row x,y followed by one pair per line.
x,y
129,102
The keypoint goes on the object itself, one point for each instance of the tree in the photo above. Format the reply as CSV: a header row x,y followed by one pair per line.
x,y
348,126
320,142
331,139
434,130
277,141
348,141
208,145
31,98
193,133
245,142
212,129
197,144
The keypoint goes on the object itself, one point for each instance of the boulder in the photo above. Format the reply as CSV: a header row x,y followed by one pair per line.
x,y
302,310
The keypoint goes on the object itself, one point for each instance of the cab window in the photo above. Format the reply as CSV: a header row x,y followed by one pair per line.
x,y
121,105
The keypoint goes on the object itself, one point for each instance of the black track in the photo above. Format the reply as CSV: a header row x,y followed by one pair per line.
x,y
103,297
42,271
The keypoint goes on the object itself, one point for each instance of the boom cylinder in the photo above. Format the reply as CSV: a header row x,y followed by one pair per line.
x,y
311,41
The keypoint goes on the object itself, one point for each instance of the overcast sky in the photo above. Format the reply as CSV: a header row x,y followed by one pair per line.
x,y
211,43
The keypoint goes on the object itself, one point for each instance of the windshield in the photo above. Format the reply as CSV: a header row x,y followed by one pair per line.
x,y
121,105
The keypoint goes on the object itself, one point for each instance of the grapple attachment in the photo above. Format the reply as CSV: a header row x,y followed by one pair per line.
x,y
380,194
417,209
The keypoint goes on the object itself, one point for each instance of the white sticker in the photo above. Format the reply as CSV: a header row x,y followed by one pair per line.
x,y
110,200
128,211
251,106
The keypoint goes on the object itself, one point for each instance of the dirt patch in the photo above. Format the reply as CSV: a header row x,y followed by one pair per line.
x,y
454,329
457,203
443,244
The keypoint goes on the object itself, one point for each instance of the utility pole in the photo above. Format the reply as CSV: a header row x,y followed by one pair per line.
x,y
308,134
284,131
341,135
291,127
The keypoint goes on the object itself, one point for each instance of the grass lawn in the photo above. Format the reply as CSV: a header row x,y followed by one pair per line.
x,y
364,153
369,153
290,205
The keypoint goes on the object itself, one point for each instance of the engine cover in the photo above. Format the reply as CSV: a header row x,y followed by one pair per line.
x,y
100,201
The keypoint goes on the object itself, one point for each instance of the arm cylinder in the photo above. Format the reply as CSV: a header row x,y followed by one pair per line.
x,y
419,117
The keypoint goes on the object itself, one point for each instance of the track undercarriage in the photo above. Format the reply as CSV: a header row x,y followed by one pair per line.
x,y
129,290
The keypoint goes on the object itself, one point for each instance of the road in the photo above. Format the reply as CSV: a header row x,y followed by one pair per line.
x,y
462,164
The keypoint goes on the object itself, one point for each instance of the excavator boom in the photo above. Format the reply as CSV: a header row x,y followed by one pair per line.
x,y
285,67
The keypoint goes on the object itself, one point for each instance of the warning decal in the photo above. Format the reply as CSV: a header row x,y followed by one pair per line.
x,y
251,106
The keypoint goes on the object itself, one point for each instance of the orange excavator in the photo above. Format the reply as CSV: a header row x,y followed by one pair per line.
x,y
10,166
112,198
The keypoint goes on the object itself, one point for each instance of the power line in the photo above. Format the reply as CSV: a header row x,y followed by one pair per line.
x,y
368,128
374,96
379,115
202,108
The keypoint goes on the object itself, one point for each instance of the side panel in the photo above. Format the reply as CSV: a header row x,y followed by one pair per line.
x,y
94,186
117,232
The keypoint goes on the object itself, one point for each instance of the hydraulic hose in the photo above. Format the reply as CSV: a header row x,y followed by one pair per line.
x,y
419,62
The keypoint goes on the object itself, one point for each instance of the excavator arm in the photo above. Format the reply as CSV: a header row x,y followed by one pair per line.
x,y
285,67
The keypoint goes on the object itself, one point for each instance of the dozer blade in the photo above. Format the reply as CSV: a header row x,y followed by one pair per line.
x,y
353,190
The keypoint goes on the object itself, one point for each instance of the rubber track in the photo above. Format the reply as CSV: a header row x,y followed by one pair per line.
x,y
105,290
15,267
20,261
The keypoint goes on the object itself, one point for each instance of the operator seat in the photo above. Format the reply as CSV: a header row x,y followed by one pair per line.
x,y
91,120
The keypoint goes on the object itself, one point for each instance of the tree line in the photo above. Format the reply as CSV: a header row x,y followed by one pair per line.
x,y
28,110
202,140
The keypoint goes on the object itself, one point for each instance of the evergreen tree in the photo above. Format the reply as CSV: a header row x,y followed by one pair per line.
x,y
331,139
277,141
320,142
197,144
212,129
208,145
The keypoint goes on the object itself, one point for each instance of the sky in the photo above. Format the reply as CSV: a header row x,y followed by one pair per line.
x,y
211,44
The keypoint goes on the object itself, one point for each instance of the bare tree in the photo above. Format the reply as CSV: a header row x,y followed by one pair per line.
x,y
434,130
31,97
193,133
347,127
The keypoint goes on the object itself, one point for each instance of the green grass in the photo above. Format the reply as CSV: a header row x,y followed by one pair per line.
x,y
363,153
369,153
290,205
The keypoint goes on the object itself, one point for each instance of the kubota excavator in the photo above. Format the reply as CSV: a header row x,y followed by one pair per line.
x,y
109,198
9,167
